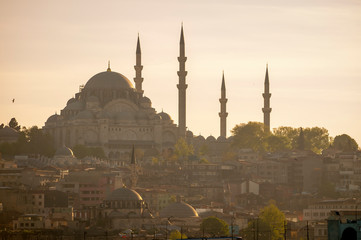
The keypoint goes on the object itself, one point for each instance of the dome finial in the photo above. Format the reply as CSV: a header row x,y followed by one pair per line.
x,y
109,70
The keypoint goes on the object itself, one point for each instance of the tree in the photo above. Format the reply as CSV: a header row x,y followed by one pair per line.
x,y
316,139
2,126
257,229
214,227
250,135
301,140
177,235
39,142
14,124
183,150
290,133
275,219
277,143
345,143
269,225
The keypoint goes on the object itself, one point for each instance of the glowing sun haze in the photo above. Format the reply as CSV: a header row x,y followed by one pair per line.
x,y
313,48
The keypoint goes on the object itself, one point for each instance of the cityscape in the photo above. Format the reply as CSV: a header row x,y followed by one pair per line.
x,y
122,154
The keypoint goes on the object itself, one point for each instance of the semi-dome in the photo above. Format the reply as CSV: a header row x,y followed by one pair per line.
x,y
64,151
103,115
142,115
125,116
92,99
86,114
74,105
178,210
71,100
53,118
124,194
108,80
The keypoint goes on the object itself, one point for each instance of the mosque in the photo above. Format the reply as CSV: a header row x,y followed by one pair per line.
x,y
109,112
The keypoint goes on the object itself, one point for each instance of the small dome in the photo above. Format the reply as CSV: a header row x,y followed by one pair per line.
x,y
86,114
53,118
178,210
64,151
189,134
124,194
108,80
71,100
125,116
200,138
75,105
165,116
211,139
157,117
8,132
145,100
221,139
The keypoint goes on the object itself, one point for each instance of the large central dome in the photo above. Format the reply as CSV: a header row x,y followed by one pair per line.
x,y
108,80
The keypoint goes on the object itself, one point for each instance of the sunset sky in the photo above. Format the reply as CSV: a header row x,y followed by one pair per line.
x,y
312,47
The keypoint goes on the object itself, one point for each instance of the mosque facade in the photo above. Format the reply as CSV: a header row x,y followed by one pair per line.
x,y
109,112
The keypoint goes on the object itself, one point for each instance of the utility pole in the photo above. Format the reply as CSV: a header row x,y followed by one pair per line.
x,y
257,227
254,227
285,229
308,237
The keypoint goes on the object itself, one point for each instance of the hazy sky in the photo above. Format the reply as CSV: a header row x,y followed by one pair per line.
x,y
313,48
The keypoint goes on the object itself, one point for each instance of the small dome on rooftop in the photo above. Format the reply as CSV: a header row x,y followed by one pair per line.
x,y
178,210
124,194
64,151
211,139
165,116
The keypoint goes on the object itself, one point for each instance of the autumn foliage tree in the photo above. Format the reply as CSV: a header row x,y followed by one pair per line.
x,y
214,227
183,150
253,136
269,224
345,143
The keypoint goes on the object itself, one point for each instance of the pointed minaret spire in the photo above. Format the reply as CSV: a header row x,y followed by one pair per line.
x,y
182,86
223,113
138,69
266,109
109,70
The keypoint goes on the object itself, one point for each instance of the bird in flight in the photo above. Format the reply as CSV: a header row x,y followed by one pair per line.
x,y
13,100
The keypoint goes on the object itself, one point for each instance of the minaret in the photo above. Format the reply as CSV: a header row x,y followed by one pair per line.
x,y
182,86
266,109
138,69
223,113
134,175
